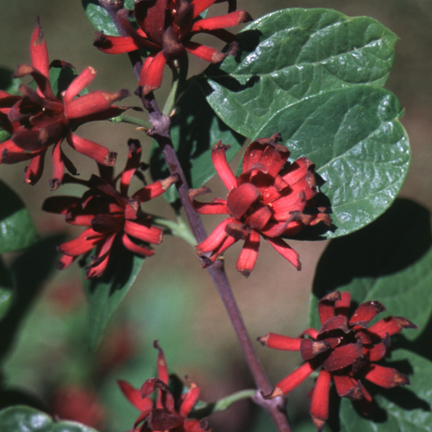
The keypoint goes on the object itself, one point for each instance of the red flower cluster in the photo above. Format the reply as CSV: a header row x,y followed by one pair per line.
x,y
346,350
166,413
39,119
165,28
109,214
79,404
270,198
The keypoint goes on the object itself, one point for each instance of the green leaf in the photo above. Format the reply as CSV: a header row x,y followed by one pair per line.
x,y
293,54
17,230
60,79
203,409
29,272
99,17
106,292
400,409
390,261
26,419
361,150
314,76
7,81
195,130
6,289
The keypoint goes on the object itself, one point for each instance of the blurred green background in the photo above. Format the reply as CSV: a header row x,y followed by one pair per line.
x,y
173,300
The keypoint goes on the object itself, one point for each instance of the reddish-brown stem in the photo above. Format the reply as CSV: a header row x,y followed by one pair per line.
x,y
161,133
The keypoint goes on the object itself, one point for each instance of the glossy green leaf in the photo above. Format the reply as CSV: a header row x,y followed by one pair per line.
x,y
390,261
99,17
314,76
195,130
106,292
17,230
293,54
360,150
6,289
26,419
399,409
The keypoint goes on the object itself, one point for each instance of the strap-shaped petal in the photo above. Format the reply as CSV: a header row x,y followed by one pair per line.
x,y
385,377
220,163
280,342
79,84
91,149
291,381
286,251
219,22
390,326
147,233
319,409
133,395
249,254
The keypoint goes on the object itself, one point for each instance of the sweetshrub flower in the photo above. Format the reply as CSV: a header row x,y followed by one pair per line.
x,y
167,413
165,28
40,119
270,198
111,216
346,350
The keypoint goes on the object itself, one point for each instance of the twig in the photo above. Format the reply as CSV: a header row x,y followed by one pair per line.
x,y
161,133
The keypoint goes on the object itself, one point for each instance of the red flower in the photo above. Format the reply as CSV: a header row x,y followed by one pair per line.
x,y
165,28
39,119
166,413
110,216
346,350
268,199
79,404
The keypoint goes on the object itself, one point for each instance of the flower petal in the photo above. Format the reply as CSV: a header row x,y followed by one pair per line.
x,y
39,51
285,343
155,189
84,243
190,399
390,326
215,238
134,396
310,348
91,149
286,251
152,72
343,356
348,387
218,155
204,52
240,199
92,103
200,6
115,44
133,161
365,313
58,167
386,377
319,409
293,380
219,22
326,306
34,171
161,364
144,232
79,84
249,254
133,247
